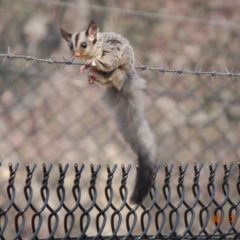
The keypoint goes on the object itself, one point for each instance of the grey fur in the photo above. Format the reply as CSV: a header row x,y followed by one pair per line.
x,y
127,109
112,65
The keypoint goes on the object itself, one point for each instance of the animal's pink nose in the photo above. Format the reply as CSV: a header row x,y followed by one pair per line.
x,y
77,54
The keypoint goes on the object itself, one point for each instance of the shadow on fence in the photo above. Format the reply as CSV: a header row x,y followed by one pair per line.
x,y
209,218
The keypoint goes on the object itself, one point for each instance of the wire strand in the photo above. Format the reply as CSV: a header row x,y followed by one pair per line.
x,y
160,70
154,15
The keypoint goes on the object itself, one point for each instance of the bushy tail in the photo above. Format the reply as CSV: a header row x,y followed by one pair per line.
x,y
128,112
143,184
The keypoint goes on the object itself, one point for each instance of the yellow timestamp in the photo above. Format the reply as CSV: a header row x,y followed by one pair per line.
x,y
217,218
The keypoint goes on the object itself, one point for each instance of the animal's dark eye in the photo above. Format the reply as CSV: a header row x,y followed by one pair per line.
x,y
83,45
71,45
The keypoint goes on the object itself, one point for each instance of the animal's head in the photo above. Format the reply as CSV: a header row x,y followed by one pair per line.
x,y
81,44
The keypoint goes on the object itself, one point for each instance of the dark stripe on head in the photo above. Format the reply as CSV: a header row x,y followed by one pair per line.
x,y
76,38
94,41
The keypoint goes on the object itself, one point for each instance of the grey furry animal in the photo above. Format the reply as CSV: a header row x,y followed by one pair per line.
x,y
112,64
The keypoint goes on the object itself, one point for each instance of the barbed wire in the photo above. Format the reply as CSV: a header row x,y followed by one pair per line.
x,y
160,70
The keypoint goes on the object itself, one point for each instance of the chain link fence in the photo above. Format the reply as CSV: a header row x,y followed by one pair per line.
x,y
108,215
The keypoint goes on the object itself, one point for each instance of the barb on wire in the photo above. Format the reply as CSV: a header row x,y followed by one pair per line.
x,y
141,67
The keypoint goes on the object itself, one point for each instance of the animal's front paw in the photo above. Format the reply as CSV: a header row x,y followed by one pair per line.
x,y
91,79
83,68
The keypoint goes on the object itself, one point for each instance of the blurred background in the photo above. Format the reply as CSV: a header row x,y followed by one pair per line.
x,y
50,114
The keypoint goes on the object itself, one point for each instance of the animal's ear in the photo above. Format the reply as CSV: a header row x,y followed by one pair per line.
x,y
92,30
67,36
